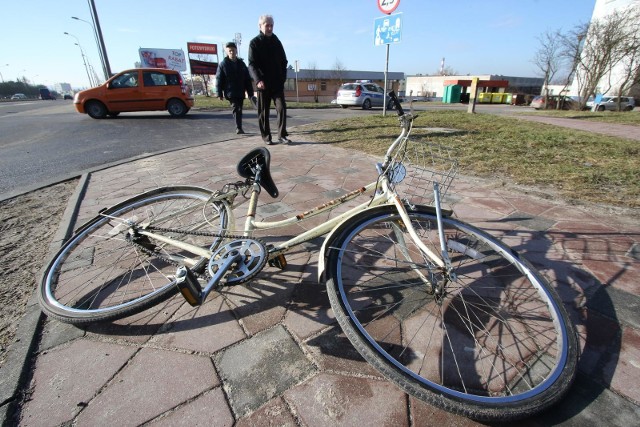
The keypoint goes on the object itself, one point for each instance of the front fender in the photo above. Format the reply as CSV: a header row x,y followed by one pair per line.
x,y
321,256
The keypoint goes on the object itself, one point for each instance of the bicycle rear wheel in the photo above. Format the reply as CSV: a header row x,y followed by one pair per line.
x,y
494,344
106,272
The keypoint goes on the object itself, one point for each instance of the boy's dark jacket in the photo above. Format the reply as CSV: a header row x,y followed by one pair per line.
x,y
233,79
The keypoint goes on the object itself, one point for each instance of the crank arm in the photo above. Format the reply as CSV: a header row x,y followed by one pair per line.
x,y
190,287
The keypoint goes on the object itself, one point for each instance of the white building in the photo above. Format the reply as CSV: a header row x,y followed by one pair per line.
x,y
611,82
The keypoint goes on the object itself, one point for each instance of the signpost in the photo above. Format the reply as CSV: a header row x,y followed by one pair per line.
x,y
387,30
388,6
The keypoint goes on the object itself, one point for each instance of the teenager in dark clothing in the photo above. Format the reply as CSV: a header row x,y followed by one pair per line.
x,y
232,81
268,68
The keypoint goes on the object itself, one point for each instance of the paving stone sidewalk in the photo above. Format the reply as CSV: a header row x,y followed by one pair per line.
x,y
270,353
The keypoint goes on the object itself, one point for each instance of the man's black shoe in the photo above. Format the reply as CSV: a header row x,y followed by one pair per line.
x,y
284,140
239,131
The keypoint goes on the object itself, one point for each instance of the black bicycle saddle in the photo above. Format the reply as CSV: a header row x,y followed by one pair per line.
x,y
247,169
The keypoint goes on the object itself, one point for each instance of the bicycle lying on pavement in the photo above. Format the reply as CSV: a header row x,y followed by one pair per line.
x,y
441,308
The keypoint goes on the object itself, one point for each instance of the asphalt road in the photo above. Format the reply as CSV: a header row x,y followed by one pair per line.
x,y
42,142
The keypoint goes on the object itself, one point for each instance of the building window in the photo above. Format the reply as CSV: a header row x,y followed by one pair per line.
x,y
290,84
323,86
311,87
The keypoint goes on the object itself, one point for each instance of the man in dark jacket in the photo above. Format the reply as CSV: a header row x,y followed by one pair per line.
x,y
232,81
268,67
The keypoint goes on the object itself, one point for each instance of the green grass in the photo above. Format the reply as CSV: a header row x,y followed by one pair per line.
x,y
579,165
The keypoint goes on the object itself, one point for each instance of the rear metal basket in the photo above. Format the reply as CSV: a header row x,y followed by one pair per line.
x,y
425,163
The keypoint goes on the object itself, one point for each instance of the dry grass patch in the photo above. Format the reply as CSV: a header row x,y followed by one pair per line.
x,y
579,165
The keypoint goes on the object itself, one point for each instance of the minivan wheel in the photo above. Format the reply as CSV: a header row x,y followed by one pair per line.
x,y
96,109
601,108
176,108
366,105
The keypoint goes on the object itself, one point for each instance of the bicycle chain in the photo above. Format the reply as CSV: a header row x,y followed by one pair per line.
x,y
235,185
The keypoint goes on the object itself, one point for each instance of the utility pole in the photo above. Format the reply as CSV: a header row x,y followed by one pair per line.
x,y
238,41
103,49
297,68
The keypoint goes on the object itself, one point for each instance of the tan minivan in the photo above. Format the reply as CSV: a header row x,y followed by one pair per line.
x,y
139,89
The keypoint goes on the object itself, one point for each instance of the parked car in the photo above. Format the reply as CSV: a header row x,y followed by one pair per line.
x,y
19,96
567,103
610,103
138,89
67,96
362,94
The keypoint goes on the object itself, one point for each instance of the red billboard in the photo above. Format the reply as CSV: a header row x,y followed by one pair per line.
x,y
205,63
202,67
204,48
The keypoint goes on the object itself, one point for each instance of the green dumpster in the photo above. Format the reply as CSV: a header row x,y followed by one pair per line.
x,y
508,98
451,94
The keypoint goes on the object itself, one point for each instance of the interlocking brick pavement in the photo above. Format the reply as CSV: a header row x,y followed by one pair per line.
x,y
270,352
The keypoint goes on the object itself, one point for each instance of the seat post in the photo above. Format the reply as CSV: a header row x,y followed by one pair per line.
x,y
253,203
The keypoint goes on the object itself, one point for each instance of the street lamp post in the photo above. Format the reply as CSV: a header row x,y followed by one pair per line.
x,y
84,61
95,36
96,21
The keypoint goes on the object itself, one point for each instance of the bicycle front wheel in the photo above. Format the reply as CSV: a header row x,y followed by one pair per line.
x,y
492,342
105,271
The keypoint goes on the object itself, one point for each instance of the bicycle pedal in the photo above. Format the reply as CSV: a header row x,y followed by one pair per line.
x,y
189,287
279,262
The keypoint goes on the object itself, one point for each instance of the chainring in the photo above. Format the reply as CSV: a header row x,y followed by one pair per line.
x,y
254,257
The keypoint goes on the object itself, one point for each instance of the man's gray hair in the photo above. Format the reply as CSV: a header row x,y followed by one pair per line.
x,y
264,18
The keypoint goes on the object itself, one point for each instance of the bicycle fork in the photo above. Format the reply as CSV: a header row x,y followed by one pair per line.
x,y
443,262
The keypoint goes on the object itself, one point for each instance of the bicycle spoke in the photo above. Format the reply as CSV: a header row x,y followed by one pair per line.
x,y
487,334
110,269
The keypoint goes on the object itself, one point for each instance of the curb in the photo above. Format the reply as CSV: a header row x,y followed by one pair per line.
x,y
17,367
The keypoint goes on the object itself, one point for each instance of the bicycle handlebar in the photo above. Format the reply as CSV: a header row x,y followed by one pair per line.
x,y
396,102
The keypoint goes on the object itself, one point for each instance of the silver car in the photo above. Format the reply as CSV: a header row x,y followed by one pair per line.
x,y
610,103
362,94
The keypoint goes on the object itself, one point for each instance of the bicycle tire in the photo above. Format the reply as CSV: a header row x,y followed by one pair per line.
x,y
497,346
100,275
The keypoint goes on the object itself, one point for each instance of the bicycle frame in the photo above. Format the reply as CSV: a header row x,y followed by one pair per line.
x,y
381,193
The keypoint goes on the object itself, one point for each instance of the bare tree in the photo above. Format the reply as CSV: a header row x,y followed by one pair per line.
x,y
446,71
548,59
594,51
338,73
630,62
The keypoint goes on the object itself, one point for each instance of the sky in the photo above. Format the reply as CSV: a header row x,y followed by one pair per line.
x,y
473,36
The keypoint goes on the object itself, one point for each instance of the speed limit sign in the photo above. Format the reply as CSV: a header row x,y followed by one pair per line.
x,y
388,6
